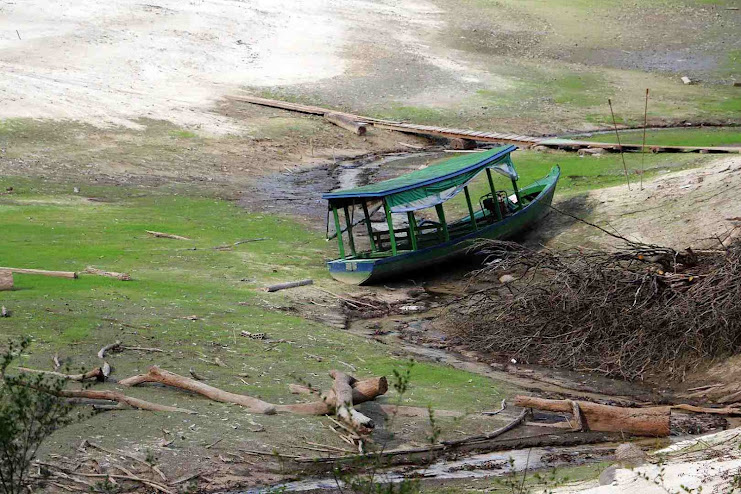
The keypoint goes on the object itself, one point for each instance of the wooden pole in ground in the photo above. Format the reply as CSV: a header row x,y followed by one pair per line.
x,y
617,134
643,147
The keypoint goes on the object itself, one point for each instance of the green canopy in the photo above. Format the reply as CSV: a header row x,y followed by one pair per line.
x,y
429,186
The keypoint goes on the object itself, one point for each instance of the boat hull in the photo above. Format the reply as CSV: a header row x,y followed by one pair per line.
x,y
367,271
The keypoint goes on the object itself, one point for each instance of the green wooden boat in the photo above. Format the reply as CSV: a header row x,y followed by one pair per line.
x,y
420,243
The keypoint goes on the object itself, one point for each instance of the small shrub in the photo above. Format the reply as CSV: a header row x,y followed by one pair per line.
x,y
30,411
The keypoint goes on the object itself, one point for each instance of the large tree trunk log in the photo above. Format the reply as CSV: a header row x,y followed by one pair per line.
x,y
158,375
56,274
346,123
6,279
120,398
653,421
344,403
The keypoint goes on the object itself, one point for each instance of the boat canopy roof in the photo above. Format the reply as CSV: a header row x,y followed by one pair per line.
x,y
429,186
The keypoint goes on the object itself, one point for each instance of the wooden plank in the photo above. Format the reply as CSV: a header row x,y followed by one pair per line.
x,y
43,272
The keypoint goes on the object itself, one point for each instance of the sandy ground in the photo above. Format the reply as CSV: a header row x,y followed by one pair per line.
x,y
105,63
706,464
688,208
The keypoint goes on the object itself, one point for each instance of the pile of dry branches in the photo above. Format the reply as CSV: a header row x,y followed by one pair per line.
x,y
639,310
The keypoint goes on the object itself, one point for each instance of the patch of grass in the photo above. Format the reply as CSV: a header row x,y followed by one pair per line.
x,y
183,134
707,136
578,90
416,114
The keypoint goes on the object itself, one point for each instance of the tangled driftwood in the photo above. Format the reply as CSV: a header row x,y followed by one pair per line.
x,y
637,310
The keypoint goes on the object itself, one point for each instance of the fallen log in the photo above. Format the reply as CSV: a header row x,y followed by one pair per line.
x,y
119,398
346,123
98,374
168,378
109,274
43,272
362,391
6,279
166,235
651,421
290,284
343,404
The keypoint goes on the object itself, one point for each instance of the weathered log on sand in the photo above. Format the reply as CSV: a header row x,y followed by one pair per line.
x,y
109,274
157,375
362,391
346,123
290,284
166,235
120,398
43,272
6,280
98,374
651,421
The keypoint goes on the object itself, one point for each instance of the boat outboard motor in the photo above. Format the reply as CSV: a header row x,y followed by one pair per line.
x,y
489,205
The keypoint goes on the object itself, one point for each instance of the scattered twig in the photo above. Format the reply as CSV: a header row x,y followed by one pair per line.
x,y
166,235
109,274
501,409
617,134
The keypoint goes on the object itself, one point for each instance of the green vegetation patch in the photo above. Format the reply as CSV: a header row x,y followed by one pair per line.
x,y
706,136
